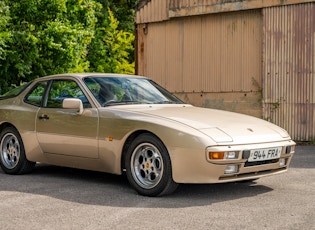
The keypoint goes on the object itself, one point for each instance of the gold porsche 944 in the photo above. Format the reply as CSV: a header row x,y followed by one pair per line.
x,y
120,123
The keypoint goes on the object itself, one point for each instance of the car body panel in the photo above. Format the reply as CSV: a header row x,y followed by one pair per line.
x,y
67,133
236,128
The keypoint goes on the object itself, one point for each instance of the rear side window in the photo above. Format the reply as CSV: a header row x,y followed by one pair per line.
x,y
16,91
36,95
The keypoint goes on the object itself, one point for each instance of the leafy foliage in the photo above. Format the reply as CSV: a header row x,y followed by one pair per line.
x,y
5,36
110,49
124,10
42,37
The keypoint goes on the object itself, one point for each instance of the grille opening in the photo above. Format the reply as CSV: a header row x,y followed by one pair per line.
x,y
248,164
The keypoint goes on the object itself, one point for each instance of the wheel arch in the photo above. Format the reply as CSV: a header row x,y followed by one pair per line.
x,y
6,125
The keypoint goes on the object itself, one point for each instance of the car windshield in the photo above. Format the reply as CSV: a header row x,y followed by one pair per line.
x,y
15,91
128,90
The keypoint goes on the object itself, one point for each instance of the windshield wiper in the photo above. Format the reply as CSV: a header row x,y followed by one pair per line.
x,y
166,102
113,102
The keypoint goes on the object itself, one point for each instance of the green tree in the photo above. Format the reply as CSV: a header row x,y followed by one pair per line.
x,y
110,49
4,33
41,37
47,37
124,11
4,37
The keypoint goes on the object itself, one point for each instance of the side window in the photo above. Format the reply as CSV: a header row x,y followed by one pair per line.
x,y
61,89
35,96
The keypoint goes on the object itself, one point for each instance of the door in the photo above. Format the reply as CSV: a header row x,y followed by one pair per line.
x,y
64,131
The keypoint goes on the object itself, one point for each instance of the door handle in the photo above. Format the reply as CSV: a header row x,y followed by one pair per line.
x,y
43,117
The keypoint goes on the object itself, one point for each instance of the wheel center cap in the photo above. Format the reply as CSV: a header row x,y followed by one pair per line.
x,y
11,150
147,165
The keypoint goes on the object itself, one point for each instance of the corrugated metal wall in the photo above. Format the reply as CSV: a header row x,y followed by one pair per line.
x,y
153,11
210,53
289,68
179,8
225,60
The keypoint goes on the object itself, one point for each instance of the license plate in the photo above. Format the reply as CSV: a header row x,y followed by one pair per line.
x,y
264,154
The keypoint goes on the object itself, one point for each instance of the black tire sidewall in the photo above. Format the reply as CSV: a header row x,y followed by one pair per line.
x,y
22,159
167,170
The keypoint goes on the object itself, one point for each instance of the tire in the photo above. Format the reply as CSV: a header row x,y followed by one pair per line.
x,y
12,154
148,167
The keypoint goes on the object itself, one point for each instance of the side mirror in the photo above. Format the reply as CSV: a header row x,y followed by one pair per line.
x,y
73,103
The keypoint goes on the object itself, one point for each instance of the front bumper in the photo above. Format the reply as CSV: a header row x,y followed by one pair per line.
x,y
195,167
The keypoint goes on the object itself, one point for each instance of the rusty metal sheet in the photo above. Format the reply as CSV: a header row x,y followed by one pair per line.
x,y
152,11
180,8
209,53
289,68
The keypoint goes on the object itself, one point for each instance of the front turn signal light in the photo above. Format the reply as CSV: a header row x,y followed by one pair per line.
x,y
216,155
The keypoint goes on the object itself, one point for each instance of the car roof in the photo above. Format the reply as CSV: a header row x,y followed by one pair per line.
x,y
82,75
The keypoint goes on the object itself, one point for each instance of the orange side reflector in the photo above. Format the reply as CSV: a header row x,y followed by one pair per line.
x,y
216,155
110,138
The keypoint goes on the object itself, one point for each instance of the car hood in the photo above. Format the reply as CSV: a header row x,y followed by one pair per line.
x,y
221,126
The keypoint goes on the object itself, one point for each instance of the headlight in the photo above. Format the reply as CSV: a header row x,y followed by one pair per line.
x,y
230,155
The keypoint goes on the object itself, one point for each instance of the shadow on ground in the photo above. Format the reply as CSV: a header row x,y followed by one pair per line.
x,y
97,188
